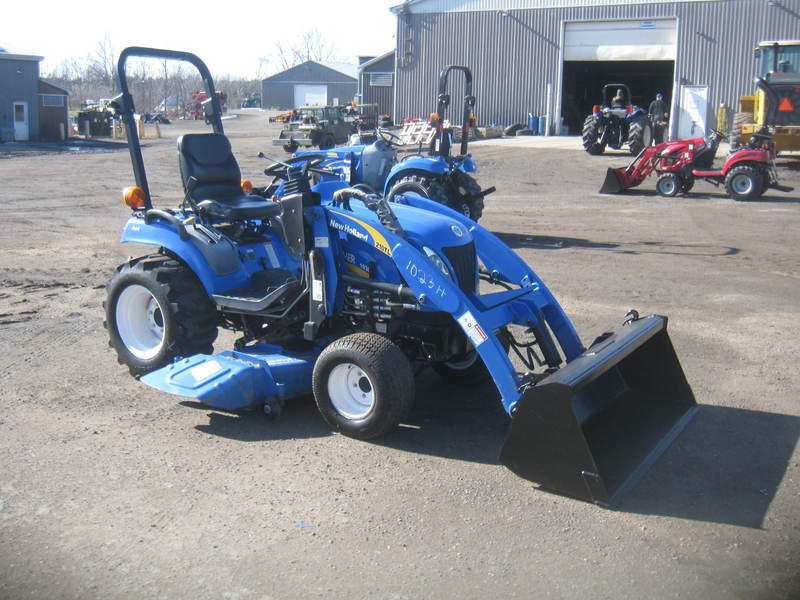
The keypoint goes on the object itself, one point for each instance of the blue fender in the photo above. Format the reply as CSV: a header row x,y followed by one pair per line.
x,y
416,164
634,113
163,234
467,165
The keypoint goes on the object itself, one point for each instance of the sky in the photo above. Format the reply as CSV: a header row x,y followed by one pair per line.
x,y
231,40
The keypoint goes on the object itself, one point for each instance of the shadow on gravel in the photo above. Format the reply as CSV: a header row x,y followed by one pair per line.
x,y
726,467
458,422
544,242
299,419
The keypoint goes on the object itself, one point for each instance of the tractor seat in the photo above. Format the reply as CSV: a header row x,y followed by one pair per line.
x,y
208,158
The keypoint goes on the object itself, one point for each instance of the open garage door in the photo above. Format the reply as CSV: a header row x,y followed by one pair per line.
x,y
639,53
310,95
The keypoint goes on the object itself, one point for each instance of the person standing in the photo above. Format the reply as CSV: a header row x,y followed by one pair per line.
x,y
659,117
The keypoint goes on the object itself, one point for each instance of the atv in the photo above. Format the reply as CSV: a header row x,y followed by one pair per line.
x,y
320,126
337,292
439,176
616,122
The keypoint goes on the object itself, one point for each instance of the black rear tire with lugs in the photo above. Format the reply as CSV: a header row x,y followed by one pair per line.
x,y
591,136
157,309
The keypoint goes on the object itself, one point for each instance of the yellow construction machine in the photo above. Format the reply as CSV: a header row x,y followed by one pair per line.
x,y
779,65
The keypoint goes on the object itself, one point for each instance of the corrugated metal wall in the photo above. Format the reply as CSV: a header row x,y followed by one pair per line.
x,y
383,96
515,55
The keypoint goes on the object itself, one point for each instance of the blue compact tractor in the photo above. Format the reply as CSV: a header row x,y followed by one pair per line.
x,y
617,123
439,176
336,292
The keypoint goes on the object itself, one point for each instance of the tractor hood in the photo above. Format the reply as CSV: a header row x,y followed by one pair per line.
x,y
422,227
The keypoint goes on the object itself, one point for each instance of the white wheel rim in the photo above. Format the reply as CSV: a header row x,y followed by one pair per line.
x,y
742,184
351,391
140,322
668,186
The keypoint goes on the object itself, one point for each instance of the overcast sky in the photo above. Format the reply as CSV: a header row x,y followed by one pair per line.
x,y
230,39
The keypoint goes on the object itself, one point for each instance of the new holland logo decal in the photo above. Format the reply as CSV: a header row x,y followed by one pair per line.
x,y
376,236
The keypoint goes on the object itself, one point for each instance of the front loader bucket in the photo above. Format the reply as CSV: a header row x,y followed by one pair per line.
x,y
614,182
591,429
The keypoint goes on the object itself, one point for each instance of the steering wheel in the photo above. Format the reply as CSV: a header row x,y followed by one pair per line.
x,y
278,169
389,137
717,134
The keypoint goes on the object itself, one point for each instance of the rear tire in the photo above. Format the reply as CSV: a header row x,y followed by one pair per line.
x,y
591,135
640,135
744,182
327,142
363,385
669,184
157,309
467,201
418,184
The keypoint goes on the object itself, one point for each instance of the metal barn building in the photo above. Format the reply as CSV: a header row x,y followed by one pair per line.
x,y
310,84
376,82
19,97
552,57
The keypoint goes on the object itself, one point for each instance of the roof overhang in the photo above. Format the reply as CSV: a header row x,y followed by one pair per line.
x,y
375,60
7,56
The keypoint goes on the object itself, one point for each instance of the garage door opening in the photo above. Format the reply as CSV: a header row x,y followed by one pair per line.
x,y
584,80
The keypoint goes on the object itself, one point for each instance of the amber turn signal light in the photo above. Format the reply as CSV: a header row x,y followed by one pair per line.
x,y
247,186
133,197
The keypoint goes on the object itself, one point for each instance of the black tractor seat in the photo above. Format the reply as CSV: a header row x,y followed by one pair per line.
x,y
208,158
239,209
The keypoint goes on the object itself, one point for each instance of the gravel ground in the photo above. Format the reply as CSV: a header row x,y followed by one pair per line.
x,y
110,489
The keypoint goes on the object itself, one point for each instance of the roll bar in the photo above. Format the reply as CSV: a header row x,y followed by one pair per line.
x,y
443,101
123,105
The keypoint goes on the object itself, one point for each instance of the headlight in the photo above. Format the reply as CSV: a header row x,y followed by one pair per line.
x,y
436,260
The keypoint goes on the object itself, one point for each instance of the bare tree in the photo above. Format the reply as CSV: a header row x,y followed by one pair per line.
x,y
312,46
102,67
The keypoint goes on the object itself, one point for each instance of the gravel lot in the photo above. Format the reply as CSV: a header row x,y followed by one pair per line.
x,y
112,490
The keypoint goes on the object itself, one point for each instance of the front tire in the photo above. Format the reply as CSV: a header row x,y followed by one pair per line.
x,y
363,385
156,309
591,136
669,184
640,135
744,182
290,148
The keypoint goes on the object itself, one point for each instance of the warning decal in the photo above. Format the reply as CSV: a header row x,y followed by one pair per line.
x,y
474,331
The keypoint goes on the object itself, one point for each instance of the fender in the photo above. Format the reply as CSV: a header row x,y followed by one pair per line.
x,y
467,165
759,158
218,266
416,164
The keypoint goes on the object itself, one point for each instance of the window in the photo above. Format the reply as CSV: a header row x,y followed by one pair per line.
x,y
52,100
380,79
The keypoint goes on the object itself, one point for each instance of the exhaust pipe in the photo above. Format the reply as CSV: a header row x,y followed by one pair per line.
x,y
593,428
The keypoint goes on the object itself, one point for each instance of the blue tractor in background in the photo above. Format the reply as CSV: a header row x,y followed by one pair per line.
x,y
439,176
338,293
616,123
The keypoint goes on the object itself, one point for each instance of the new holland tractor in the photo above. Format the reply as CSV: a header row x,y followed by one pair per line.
x,y
338,293
616,123
439,176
